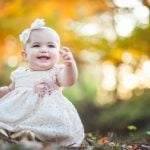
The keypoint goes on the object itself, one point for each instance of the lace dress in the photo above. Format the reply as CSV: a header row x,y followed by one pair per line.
x,y
52,118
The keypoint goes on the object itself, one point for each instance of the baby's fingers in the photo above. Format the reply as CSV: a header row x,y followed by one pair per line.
x,y
40,92
65,49
40,86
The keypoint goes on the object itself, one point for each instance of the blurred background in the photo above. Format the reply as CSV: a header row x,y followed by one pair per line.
x,y
110,42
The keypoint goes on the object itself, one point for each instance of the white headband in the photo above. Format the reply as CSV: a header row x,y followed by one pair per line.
x,y
37,24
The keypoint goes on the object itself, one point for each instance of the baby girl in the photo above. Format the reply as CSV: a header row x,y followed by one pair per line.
x,y
34,102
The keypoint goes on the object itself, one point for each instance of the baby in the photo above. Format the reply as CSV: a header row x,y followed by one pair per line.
x,y
34,102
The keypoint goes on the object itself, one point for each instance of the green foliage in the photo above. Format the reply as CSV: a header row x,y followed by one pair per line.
x,y
137,43
5,75
122,114
131,127
84,90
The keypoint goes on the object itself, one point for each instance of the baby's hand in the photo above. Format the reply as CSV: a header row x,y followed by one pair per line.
x,y
66,55
42,87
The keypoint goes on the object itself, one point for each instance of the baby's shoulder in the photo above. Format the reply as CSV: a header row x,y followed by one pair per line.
x,y
17,71
20,70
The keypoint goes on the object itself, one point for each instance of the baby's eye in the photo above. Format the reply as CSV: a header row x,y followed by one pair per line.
x,y
36,45
51,46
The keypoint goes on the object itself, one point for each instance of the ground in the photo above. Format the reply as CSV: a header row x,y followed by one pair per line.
x,y
92,141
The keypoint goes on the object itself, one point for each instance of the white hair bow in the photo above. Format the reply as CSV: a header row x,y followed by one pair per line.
x,y
24,36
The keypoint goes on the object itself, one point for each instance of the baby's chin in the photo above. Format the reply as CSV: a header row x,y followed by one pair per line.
x,y
41,68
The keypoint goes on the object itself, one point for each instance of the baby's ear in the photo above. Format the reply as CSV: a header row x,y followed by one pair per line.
x,y
24,54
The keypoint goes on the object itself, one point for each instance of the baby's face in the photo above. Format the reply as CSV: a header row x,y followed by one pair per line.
x,y
42,49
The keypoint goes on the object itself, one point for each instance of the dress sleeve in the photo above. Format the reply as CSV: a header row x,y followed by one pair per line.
x,y
16,72
55,71
59,68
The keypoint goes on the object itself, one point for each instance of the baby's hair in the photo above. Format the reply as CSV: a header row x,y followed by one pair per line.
x,y
36,25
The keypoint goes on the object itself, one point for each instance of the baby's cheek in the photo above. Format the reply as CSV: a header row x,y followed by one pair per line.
x,y
56,56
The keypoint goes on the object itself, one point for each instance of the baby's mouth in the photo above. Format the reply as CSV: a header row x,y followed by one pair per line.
x,y
43,58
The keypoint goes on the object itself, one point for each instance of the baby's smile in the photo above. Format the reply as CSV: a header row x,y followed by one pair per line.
x,y
43,58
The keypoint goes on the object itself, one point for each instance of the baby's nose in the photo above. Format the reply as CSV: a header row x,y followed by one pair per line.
x,y
43,50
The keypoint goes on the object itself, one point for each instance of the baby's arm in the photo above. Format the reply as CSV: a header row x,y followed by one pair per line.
x,y
6,89
68,75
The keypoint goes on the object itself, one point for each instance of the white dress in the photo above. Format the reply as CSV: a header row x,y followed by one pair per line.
x,y
52,118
